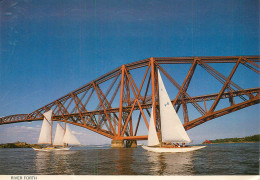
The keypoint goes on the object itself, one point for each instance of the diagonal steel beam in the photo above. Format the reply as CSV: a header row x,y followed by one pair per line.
x,y
221,112
76,103
104,108
195,104
186,81
214,105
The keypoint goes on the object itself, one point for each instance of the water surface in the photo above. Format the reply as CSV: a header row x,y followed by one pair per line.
x,y
217,159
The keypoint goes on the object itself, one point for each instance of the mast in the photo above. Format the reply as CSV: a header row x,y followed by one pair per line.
x,y
65,129
51,129
153,72
65,125
158,114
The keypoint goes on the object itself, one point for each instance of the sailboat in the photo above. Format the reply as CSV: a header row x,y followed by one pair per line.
x,y
63,137
172,129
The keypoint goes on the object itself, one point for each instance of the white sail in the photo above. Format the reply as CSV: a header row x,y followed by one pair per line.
x,y
152,135
47,115
171,127
45,134
69,138
58,139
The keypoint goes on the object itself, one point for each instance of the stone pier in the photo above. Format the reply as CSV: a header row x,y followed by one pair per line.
x,y
121,144
117,144
131,144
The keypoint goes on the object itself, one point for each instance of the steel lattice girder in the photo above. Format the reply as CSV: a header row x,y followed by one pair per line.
x,y
117,123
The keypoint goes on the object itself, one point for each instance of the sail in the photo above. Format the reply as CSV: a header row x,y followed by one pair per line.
x,y
171,126
45,134
69,138
152,135
47,115
58,139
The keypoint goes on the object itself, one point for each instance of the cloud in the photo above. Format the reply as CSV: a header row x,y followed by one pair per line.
x,y
23,129
14,4
8,14
78,133
15,133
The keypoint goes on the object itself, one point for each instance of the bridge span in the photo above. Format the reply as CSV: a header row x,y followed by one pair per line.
x,y
115,104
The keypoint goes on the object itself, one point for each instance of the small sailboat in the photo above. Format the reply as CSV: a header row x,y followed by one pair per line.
x,y
63,137
172,129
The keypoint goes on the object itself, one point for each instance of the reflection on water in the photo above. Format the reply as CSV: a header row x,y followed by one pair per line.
x,y
228,159
53,161
171,163
42,161
125,161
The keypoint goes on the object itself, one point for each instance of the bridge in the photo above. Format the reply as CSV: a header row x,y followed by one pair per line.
x,y
115,104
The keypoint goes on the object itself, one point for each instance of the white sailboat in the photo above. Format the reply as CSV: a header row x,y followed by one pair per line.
x,y
172,129
62,138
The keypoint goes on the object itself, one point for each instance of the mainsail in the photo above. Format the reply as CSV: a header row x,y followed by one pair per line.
x,y
69,138
58,139
171,127
47,115
152,135
61,136
45,134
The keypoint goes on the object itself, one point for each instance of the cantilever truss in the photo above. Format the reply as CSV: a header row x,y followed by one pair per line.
x,y
108,105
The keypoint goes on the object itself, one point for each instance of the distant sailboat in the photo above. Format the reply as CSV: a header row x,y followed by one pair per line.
x,y
172,129
62,138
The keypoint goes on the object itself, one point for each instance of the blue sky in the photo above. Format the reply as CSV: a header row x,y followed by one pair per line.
x,y
48,49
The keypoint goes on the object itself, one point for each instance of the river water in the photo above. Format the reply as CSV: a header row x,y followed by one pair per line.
x,y
217,159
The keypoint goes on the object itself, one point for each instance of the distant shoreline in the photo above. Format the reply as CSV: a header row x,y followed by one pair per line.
x,y
247,139
230,142
19,145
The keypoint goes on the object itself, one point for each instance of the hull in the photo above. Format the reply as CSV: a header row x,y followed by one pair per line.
x,y
173,150
52,149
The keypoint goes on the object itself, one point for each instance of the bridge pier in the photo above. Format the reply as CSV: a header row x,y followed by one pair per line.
x,y
117,144
131,144
121,144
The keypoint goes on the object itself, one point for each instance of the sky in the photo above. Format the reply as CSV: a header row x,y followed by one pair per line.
x,y
49,48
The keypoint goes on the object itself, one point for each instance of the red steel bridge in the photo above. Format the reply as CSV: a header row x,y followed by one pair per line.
x,y
115,104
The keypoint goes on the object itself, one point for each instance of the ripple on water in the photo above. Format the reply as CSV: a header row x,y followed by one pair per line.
x,y
217,159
